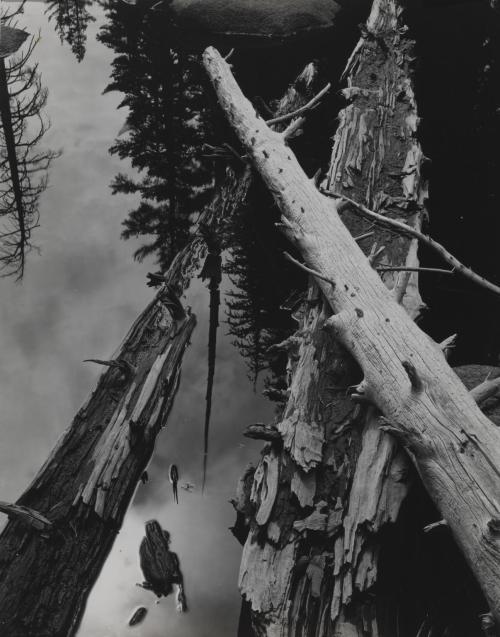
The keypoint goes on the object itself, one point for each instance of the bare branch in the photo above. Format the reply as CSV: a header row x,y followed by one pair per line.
x,y
487,389
405,229
448,344
308,270
307,107
383,268
434,525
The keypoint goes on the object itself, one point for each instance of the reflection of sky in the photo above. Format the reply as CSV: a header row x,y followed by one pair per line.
x,y
77,301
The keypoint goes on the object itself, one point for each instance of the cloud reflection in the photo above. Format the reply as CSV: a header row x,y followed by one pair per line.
x,y
78,299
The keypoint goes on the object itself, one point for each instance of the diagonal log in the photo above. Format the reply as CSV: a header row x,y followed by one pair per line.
x,y
452,444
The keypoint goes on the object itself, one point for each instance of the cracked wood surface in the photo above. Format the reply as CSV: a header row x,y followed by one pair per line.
x,y
348,469
454,447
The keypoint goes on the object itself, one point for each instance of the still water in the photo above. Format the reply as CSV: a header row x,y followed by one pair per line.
x,y
79,296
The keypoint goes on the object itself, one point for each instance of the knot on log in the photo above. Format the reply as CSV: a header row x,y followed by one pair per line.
x,y
494,526
416,383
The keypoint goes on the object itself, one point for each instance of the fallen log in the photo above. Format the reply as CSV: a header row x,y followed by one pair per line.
x,y
454,447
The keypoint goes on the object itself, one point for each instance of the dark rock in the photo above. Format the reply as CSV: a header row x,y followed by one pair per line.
x,y
473,375
11,40
258,22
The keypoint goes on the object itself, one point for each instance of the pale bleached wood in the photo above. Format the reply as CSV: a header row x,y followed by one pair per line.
x,y
453,445
334,449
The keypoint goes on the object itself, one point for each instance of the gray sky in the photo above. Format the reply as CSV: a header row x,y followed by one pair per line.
x,y
77,300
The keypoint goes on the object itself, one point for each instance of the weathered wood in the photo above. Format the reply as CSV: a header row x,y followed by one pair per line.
x,y
454,447
356,474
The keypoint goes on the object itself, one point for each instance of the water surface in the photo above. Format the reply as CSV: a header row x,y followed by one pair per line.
x,y
79,296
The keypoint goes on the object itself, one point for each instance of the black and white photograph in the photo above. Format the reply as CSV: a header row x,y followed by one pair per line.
x,y
249,318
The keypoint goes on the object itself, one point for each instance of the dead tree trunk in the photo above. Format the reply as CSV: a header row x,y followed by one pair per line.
x,y
357,479
455,449
335,457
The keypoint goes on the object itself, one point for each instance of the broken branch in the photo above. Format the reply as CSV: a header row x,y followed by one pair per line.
x,y
434,525
308,270
383,268
307,107
403,228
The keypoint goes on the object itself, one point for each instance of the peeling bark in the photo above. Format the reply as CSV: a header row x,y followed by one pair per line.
x,y
334,480
355,480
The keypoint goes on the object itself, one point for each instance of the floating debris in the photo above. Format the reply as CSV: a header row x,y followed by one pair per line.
x,y
173,476
137,616
160,566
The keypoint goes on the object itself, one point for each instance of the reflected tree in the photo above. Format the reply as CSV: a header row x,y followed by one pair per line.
x,y
23,165
212,273
167,134
166,126
72,18
263,282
